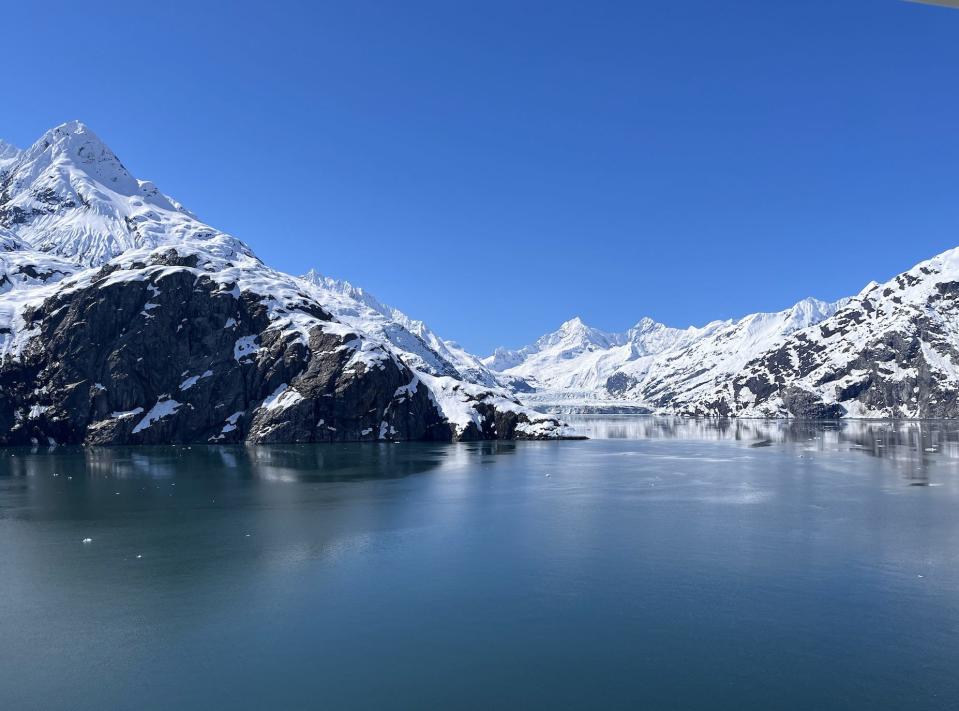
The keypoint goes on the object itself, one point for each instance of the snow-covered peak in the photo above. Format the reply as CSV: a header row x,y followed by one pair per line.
x,y
576,335
646,324
577,362
348,290
8,154
574,324
73,146
649,336
808,312
68,194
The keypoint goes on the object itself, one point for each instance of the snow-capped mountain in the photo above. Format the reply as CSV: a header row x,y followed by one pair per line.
x,y
69,195
125,319
650,367
681,374
577,357
891,351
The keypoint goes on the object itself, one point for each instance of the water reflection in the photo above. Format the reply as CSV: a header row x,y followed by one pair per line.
x,y
332,463
913,446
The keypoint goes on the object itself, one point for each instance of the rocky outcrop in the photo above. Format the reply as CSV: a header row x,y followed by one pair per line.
x,y
163,350
176,357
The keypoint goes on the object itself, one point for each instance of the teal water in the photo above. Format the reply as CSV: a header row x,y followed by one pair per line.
x,y
662,565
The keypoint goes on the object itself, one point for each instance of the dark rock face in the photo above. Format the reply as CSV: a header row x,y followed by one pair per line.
x,y
618,383
805,405
177,358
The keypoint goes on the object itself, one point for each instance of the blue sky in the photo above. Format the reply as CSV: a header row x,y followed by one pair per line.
x,y
495,168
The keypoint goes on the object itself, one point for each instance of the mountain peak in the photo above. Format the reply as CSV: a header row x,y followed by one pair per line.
x,y
69,194
809,304
73,144
868,287
573,324
646,324
70,128
8,152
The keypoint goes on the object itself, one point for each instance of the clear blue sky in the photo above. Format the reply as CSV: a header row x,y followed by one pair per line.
x,y
495,168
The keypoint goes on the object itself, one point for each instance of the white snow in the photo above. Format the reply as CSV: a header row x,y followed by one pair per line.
x,y
245,347
192,380
127,413
281,398
571,367
163,408
36,411
231,422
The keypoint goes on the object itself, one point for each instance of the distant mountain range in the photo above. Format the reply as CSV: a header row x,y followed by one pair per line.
x,y
888,352
125,319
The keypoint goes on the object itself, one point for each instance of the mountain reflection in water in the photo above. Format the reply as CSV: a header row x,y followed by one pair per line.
x,y
912,446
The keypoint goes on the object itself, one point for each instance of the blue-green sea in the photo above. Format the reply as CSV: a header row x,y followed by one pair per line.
x,y
661,564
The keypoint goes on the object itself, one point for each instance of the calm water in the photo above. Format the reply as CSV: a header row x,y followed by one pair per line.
x,y
662,564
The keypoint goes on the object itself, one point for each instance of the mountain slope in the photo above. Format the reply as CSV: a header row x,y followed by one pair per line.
x,y
420,346
650,367
124,319
690,367
891,351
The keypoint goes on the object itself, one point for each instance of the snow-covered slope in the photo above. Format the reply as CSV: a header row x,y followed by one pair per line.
x,y
692,366
891,351
578,357
420,346
123,318
69,195
650,367
8,155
